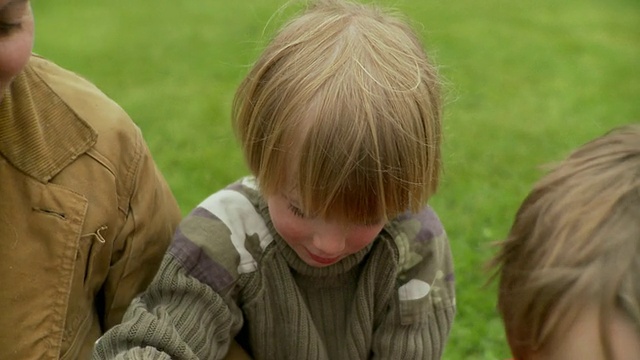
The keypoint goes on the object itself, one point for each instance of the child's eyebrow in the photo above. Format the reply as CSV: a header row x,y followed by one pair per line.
x,y
290,199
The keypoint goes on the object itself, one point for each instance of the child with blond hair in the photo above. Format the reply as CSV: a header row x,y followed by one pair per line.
x,y
569,269
328,251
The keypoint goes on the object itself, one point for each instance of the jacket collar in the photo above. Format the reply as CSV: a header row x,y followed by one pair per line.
x,y
39,133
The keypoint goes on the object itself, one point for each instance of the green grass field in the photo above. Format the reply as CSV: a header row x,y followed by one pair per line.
x,y
526,82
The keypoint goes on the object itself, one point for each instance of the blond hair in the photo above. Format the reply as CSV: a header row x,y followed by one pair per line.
x,y
345,101
575,242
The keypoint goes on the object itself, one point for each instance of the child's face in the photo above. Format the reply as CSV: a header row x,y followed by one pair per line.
x,y
582,340
318,242
16,39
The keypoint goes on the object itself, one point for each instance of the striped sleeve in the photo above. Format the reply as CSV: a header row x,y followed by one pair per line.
x,y
190,309
178,317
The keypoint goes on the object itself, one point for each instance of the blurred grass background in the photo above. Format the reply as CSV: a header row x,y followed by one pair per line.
x,y
526,82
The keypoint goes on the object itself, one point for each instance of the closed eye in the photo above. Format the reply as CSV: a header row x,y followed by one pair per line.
x,y
296,211
8,28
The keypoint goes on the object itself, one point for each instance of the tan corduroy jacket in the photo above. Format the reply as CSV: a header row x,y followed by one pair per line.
x,y
85,216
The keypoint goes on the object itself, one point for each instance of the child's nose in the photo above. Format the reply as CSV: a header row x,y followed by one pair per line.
x,y
331,243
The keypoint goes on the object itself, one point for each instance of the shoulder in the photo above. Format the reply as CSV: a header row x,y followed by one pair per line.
x,y
226,233
425,264
93,108
86,100
424,225
119,144
417,236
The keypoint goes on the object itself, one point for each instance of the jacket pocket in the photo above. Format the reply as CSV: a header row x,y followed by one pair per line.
x,y
76,337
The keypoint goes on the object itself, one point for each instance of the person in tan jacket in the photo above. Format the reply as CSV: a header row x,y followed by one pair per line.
x,y
85,215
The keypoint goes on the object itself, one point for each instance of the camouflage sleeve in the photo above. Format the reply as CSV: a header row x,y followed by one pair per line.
x,y
421,313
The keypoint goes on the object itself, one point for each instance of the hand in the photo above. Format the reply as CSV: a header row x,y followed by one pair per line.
x,y
236,352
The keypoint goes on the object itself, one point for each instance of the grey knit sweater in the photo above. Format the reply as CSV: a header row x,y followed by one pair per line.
x,y
229,274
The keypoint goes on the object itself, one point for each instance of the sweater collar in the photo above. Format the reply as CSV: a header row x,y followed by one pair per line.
x,y
39,133
303,268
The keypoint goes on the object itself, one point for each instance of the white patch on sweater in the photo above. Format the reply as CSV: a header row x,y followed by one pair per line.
x,y
250,182
413,290
239,215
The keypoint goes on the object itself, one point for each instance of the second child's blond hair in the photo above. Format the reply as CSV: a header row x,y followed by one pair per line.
x,y
345,101
575,243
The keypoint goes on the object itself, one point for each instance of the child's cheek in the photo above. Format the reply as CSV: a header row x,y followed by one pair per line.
x,y
363,236
292,230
